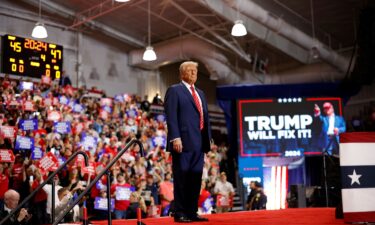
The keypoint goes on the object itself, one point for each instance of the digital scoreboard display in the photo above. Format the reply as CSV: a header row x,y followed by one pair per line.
x,y
289,127
31,58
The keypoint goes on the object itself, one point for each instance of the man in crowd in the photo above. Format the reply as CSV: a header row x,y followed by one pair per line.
x,y
11,199
225,192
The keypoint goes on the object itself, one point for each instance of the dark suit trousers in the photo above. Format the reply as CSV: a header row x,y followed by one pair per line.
x,y
187,178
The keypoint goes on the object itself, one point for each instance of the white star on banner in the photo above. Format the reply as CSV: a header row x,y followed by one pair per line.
x,y
355,178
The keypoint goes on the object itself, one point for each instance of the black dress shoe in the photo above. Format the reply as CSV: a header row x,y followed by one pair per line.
x,y
199,219
182,219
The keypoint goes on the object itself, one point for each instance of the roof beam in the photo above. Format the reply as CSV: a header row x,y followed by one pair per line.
x,y
98,10
258,30
235,49
64,12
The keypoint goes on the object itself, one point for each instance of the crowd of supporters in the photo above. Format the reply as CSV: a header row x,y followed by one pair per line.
x,y
365,120
52,119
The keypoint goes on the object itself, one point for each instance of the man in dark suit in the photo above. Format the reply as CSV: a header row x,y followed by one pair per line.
x,y
188,139
331,126
11,199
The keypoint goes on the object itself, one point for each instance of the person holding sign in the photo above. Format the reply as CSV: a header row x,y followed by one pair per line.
x,y
120,190
64,199
136,201
224,191
189,136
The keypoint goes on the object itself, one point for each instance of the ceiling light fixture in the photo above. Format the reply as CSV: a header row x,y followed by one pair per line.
x,y
122,0
39,30
149,54
238,29
314,52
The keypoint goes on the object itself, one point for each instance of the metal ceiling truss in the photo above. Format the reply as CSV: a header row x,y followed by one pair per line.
x,y
235,49
182,28
98,10
257,30
54,8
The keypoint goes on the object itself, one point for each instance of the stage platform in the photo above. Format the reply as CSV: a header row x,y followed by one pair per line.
x,y
303,216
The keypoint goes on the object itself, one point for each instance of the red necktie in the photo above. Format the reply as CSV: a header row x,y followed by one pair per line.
x,y
196,101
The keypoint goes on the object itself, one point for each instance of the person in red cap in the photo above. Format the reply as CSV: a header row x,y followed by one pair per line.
x,y
112,148
331,126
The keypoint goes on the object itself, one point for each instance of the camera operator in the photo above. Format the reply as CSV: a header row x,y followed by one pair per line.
x,y
11,199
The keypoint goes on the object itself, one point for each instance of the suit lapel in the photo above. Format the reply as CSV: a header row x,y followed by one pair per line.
x,y
189,95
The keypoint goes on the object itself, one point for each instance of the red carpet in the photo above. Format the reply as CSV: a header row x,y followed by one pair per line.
x,y
264,217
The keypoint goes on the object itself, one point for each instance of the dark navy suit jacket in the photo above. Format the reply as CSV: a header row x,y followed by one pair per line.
x,y
183,119
322,140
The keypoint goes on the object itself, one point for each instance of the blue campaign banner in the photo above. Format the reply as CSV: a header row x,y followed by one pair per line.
x,y
24,143
62,127
119,98
99,185
61,160
159,141
102,204
64,100
36,153
71,103
131,128
107,108
123,193
78,108
89,142
160,118
207,204
166,210
132,113
26,85
31,124
250,167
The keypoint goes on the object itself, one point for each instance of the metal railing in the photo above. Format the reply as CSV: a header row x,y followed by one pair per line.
x,y
50,177
93,182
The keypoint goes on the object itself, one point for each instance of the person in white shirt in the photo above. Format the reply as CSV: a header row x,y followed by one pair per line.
x,y
48,189
62,200
224,191
65,198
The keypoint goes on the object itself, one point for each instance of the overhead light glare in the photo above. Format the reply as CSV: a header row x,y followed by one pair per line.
x,y
238,29
149,54
39,31
122,0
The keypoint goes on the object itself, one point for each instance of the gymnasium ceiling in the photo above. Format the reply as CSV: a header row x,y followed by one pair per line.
x,y
331,24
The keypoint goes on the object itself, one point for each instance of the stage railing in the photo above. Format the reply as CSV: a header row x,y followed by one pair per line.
x,y
93,182
50,177
241,190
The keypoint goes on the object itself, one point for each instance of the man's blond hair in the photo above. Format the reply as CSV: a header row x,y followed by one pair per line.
x,y
187,63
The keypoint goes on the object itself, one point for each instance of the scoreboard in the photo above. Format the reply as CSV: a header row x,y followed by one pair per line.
x,y
31,58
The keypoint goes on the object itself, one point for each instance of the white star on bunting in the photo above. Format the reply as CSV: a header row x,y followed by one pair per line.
x,y
355,178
